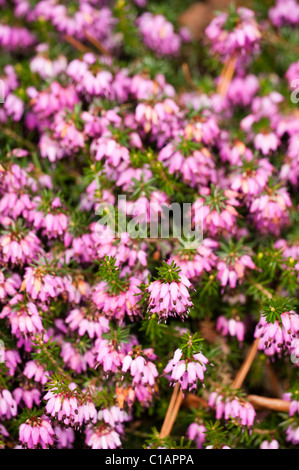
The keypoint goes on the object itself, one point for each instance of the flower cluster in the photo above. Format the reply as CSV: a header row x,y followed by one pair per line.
x,y
280,334
169,296
186,368
230,407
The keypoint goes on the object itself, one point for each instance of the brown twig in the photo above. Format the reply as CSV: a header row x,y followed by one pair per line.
x,y
174,413
262,289
276,404
13,135
243,371
173,408
75,43
95,42
226,75
187,74
275,385
193,401
270,403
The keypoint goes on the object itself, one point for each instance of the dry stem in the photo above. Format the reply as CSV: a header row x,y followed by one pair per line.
x,y
77,44
97,44
240,377
193,401
270,403
173,409
227,75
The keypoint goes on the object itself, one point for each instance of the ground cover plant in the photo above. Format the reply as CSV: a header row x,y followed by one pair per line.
x,y
149,244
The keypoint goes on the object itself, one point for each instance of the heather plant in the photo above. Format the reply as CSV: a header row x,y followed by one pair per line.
x,y
149,245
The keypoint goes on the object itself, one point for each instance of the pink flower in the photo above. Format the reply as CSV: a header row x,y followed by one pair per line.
x,y
266,142
8,405
65,437
62,405
14,205
284,13
98,83
159,116
102,437
278,336
14,38
270,445
76,360
242,89
29,397
53,220
193,264
9,285
233,327
158,34
13,105
107,148
196,432
23,317
292,73
270,210
197,167
113,416
203,128
18,250
87,321
292,434
215,211
124,248
108,356
294,408
232,269
36,433
232,408
12,359
41,285
141,369
186,371
36,371
242,38
170,298
252,177
118,305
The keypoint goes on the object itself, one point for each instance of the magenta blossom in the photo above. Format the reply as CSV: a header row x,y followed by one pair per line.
x,y
278,336
187,371
270,444
158,34
23,316
170,298
8,405
36,433
232,408
102,436
232,326
141,368
196,432
242,37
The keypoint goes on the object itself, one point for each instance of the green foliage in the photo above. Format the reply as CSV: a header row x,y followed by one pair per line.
x,y
169,272
109,272
273,309
118,335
